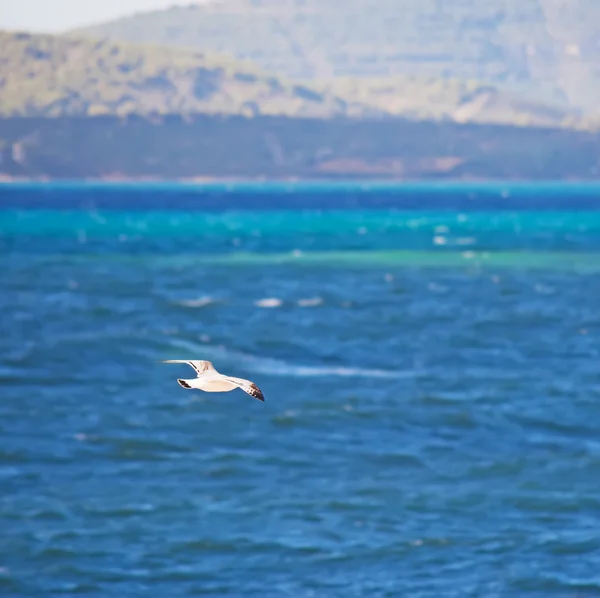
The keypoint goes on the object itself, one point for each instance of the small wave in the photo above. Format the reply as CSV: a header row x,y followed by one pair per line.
x,y
437,288
311,302
275,367
288,417
543,289
269,302
200,302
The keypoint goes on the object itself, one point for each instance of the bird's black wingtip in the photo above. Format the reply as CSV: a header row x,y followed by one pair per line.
x,y
183,383
256,393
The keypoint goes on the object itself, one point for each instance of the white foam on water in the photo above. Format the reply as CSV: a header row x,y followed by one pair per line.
x,y
276,367
311,302
269,302
200,302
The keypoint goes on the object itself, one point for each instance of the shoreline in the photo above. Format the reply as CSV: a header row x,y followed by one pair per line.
x,y
358,184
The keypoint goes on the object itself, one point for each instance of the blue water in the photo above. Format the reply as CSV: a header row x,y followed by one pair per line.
x,y
429,357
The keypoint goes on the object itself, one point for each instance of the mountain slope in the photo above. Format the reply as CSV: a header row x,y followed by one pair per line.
x,y
548,50
44,75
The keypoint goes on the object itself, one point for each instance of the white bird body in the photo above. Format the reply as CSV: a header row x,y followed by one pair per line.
x,y
209,380
208,385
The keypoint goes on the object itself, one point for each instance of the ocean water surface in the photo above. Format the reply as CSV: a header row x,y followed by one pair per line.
x,y
430,358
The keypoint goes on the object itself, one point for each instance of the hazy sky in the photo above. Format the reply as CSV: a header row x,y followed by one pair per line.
x,y
58,15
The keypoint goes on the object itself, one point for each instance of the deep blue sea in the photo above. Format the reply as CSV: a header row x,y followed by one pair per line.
x,y
430,359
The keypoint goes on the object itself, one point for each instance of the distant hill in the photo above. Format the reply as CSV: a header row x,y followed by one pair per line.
x,y
543,51
44,75
277,147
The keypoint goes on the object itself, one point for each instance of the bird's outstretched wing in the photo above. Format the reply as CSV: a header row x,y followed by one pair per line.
x,y
199,365
249,387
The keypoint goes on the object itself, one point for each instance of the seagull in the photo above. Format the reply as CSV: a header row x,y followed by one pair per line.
x,y
209,380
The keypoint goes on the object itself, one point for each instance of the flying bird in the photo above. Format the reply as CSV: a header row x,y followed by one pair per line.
x,y
209,380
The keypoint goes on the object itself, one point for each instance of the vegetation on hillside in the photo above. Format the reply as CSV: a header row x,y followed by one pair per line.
x,y
542,50
51,76
42,75
449,99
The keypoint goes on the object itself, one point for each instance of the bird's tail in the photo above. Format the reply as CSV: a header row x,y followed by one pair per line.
x,y
184,383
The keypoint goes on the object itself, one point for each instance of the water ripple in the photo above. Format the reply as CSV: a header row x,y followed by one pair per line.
x,y
430,429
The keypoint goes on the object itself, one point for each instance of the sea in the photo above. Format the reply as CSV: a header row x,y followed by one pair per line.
x,y
429,355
